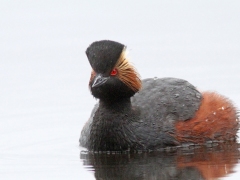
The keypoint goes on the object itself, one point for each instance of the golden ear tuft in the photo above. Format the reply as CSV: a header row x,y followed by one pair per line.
x,y
127,73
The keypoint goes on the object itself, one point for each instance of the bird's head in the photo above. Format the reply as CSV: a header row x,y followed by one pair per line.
x,y
113,76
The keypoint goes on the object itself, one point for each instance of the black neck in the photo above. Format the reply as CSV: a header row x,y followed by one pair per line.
x,y
119,105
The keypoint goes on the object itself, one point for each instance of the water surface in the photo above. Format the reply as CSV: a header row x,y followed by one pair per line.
x,y
210,161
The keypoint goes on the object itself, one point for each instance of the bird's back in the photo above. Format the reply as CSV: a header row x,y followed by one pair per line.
x,y
164,97
177,110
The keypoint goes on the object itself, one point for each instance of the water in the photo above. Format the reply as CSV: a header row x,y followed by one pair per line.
x,y
184,163
44,75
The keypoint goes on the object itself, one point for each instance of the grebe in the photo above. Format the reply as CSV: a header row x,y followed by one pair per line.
x,y
149,114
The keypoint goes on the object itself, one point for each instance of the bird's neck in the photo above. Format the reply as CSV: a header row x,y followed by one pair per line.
x,y
118,105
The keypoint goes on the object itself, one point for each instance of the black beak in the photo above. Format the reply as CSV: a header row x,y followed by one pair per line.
x,y
99,80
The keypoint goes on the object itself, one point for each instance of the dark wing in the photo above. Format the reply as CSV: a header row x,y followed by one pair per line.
x,y
167,98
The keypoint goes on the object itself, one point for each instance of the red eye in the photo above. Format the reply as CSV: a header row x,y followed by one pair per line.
x,y
114,72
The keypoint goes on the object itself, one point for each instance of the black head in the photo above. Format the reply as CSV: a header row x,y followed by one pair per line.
x,y
103,55
112,77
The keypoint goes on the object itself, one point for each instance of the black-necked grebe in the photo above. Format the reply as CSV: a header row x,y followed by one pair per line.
x,y
149,114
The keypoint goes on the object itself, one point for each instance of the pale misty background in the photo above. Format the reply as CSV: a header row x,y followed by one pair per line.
x,y
44,72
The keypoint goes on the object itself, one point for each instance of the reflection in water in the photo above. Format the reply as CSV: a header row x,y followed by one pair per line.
x,y
183,163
